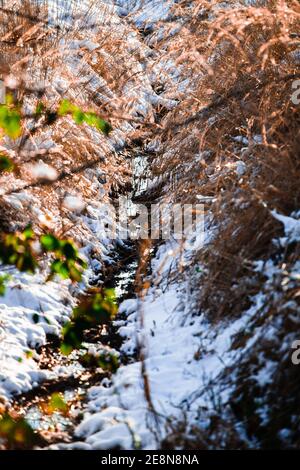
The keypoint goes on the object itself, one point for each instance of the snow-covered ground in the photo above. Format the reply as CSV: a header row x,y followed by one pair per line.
x,y
183,354
184,358
31,308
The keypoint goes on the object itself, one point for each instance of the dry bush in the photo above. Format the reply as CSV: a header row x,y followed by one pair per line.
x,y
82,62
234,136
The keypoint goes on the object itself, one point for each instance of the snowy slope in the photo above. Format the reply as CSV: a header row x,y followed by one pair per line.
x,y
29,310
183,358
29,296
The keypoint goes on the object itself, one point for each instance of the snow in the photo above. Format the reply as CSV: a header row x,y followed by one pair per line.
x,y
28,296
74,203
183,355
29,310
291,227
43,171
33,307
144,12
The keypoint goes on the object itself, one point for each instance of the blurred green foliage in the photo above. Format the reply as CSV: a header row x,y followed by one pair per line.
x,y
16,432
16,249
79,117
3,280
56,403
96,310
10,118
6,164
67,263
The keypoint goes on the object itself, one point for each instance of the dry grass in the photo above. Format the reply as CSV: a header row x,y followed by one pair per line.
x,y
235,137
38,55
242,60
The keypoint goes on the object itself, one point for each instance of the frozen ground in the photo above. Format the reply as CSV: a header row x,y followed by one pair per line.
x,y
31,308
183,354
183,357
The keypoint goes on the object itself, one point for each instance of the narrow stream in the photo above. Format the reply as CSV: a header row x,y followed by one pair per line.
x,y
54,408
71,388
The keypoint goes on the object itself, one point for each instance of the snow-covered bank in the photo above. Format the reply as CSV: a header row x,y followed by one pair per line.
x,y
119,415
191,365
208,346
31,307
218,347
29,297
29,310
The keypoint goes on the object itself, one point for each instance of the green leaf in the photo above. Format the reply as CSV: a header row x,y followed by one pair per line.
x,y
66,348
110,294
57,403
79,117
16,432
28,233
9,99
72,336
26,263
39,108
68,250
10,121
95,121
6,164
61,268
74,273
3,280
67,263
49,242
15,249
66,107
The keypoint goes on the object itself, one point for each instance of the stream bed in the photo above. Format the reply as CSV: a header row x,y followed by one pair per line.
x,y
54,408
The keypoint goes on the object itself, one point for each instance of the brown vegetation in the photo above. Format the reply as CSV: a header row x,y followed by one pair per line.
x,y
233,137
